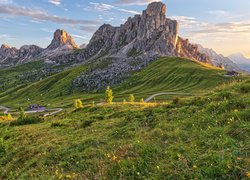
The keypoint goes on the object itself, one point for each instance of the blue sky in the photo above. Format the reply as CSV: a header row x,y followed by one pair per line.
x,y
223,25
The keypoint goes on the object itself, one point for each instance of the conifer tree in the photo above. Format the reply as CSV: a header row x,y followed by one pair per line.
x,y
131,98
109,95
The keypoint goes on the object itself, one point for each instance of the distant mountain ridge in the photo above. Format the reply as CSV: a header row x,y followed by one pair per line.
x,y
62,43
219,60
241,61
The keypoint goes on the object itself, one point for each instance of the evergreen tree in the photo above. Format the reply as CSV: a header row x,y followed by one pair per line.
x,y
9,117
109,95
78,104
142,100
22,114
131,98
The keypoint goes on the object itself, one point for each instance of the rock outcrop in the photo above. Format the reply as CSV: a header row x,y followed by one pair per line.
x,y
7,52
150,34
11,56
133,45
61,44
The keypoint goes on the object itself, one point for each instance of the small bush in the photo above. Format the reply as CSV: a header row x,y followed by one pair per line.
x,y
245,89
26,120
3,146
57,124
87,123
225,95
176,100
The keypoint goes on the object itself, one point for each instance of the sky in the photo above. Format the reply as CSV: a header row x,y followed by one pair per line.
x,y
223,25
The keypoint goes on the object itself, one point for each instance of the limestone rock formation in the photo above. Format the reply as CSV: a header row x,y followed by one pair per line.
x,y
11,56
150,34
62,43
139,40
7,52
28,52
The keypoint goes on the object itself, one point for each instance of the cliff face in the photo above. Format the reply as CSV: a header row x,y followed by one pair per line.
x,y
61,44
11,56
151,34
7,52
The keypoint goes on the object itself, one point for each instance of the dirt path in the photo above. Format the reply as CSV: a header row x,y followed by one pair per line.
x,y
166,93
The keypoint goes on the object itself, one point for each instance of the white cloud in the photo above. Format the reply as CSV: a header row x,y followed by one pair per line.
x,y
219,13
6,1
55,2
37,14
78,36
134,2
6,37
102,7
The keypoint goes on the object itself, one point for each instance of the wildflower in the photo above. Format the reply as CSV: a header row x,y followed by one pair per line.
x,y
158,167
68,176
114,158
108,155
138,173
248,174
194,167
238,158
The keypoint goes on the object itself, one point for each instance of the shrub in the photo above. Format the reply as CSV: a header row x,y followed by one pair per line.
x,y
26,120
57,124
87,123
176,100
3,146
131,98
109,95
22,114
78,104
225,95
245,89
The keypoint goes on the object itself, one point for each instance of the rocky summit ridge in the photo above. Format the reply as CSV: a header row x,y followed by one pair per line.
x,y
115,51
150,35
61,44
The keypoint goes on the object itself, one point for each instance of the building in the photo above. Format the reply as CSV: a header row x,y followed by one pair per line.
x,y
36,107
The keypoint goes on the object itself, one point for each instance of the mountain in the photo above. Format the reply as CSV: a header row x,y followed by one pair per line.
x,y
148,35
7,52
28,52
219,60
10,56
62,43
131,46
241,61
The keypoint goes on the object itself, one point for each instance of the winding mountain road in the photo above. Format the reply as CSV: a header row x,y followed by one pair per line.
x,y
57,110
6,110
54,111
166,93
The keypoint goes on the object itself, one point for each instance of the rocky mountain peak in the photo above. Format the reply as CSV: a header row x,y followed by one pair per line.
x,y
62,38
155,9
5,46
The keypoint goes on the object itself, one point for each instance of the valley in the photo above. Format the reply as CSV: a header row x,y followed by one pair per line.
x,y
136,102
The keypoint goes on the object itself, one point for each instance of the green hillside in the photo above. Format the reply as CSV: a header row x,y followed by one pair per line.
x,y
173,75
196,138
162,75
